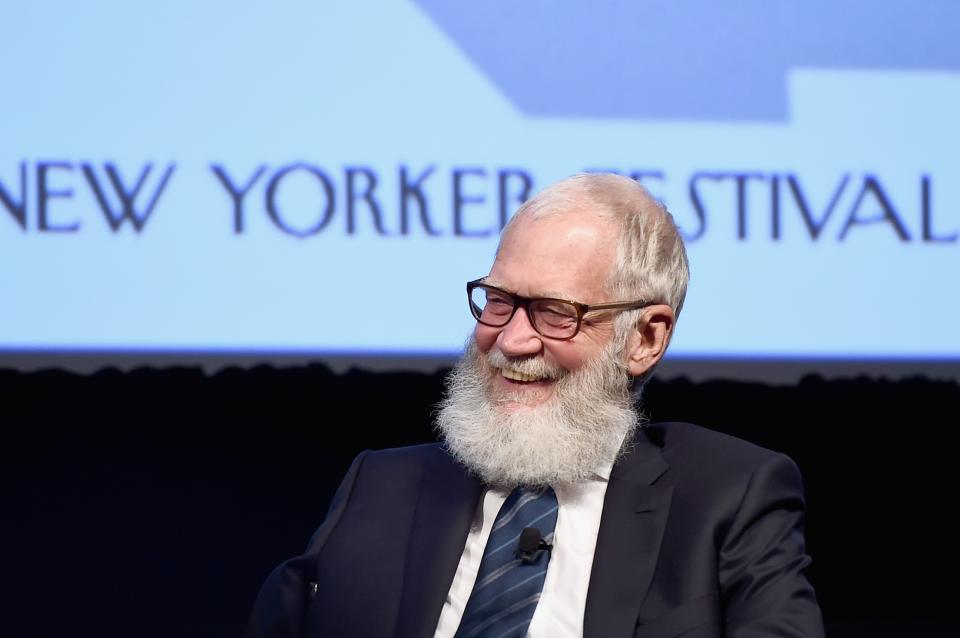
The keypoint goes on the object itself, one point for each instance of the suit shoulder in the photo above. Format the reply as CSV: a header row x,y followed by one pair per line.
x,y
407,457
709,466
688,444
408,452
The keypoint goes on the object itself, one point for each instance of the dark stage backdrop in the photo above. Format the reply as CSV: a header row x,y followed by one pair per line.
x,y
155,502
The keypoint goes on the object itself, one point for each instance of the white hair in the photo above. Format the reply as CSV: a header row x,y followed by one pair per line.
x,y
651,261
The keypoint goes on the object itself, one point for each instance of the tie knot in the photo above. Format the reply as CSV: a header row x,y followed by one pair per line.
x,y
528,507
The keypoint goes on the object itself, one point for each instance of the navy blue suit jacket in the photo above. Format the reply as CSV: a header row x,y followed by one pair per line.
x,y
701,535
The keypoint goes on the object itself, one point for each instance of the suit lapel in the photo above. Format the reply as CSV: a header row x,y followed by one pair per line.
x,y
631,529
445,508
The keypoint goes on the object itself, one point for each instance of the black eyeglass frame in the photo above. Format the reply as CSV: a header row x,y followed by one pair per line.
x,y
524,302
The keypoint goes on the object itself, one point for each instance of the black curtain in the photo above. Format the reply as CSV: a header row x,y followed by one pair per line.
x,y
155,502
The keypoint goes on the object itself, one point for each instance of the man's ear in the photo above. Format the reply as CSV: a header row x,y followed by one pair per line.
x,y
648,341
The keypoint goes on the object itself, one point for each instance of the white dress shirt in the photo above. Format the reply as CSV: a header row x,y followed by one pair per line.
x,y
560,610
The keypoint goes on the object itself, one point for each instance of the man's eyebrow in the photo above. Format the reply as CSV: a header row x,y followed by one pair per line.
x,y
490,281
546,293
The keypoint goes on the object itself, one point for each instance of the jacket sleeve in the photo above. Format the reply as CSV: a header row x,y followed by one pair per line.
x,y
281,606
763,559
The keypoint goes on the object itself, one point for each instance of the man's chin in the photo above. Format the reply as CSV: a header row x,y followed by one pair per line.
x,y
526,401
511,396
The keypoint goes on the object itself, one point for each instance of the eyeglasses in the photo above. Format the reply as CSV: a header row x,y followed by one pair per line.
x,y
553,318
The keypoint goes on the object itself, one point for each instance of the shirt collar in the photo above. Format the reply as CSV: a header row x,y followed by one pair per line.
x,y
603,470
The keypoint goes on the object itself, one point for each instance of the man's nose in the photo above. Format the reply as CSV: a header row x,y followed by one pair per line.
x,y
518,337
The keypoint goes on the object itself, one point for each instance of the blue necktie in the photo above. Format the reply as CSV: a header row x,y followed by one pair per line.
x,y
508,587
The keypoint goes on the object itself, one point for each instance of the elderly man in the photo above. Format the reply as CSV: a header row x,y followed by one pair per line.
x,y
549,510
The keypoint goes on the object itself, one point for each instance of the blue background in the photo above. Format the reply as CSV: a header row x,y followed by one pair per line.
x,y
834,96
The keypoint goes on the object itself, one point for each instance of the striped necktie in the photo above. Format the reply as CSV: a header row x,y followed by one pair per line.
x,y
507,588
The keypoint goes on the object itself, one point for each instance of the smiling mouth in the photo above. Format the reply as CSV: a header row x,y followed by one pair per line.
x,y
520,377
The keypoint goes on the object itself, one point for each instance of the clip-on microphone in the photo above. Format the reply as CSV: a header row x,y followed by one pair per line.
x,y
531,544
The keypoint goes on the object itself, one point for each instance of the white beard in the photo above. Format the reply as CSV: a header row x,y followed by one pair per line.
x,y
564,439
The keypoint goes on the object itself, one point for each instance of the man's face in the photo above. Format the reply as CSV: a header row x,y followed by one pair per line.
x,y
522,409
568,257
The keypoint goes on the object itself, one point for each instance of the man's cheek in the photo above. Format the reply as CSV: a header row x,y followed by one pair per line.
x,y
485,337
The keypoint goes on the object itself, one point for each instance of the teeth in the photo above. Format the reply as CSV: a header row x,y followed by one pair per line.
x,y
513,375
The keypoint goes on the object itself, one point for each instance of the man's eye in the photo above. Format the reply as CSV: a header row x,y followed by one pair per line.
x,y
557,319
498,304
557,315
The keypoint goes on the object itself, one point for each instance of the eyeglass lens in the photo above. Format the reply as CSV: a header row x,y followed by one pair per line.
x,y
549,317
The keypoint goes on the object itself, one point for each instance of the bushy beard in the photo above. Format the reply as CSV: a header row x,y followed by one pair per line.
x,y
564,439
